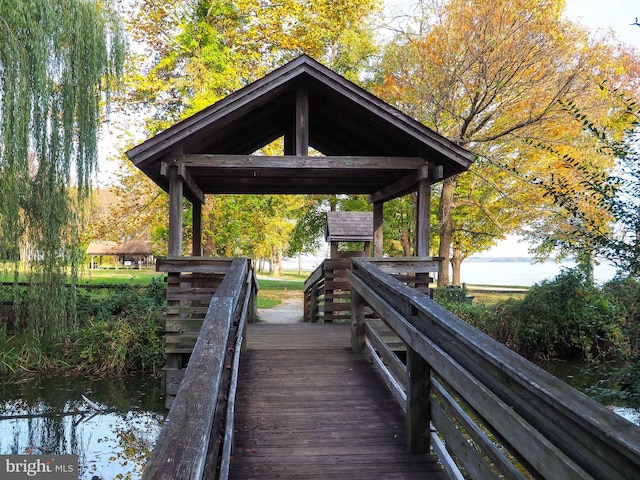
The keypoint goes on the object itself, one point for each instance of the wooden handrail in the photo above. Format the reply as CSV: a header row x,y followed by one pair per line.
x,y
183,448
480,395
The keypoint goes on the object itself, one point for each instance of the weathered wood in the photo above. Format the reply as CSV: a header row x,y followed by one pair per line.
x,y
423,213
196,246
229,427
401,187
418,402
388,356
560,432
402,265
175,211
378,229
357,322
208,265
318,413
286,162
392,383
193,411
488,446
528,442
302,122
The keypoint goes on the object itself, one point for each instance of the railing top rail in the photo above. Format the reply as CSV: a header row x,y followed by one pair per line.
x,y
314,276
545,402
181,449
193,264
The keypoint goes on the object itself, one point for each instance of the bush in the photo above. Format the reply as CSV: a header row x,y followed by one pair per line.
x,y
563,317
120,331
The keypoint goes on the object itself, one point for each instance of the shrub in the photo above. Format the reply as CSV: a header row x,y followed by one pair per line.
x,y
564,317
121,331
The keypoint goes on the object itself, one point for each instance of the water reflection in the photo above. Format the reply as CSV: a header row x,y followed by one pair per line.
x,y
581,376
112,429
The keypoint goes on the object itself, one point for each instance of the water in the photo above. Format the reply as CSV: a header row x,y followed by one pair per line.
x,y
579,375
523,273
42,414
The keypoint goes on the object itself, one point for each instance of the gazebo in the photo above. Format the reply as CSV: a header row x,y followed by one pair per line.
x,y
137,252
349,227
367,146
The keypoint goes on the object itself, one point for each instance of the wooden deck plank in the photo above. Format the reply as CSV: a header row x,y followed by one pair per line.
x,y
309,408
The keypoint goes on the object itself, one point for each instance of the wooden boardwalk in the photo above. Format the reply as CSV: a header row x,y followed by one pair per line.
x,y
309,408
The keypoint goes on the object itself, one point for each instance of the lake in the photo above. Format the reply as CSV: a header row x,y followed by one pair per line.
x,y
42,414
521,273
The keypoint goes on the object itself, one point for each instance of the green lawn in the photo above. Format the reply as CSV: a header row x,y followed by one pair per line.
x,y
273,290
97,277
118,277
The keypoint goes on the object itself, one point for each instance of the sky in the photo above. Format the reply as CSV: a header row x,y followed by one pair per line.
x,y
615,15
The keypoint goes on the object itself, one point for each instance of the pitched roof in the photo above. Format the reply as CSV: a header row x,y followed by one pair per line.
x,y
104,247
349,227
343,121
98,247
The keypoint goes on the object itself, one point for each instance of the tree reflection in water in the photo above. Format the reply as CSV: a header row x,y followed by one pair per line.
x,y
48,415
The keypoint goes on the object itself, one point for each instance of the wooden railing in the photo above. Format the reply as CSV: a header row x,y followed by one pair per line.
x,y
191,283
327,296
196,439
486,411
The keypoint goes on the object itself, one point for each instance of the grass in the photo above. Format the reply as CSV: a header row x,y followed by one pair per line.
x,y
274,290
99,277
118,277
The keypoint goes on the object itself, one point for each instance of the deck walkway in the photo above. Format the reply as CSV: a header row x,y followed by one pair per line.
x,y
309,408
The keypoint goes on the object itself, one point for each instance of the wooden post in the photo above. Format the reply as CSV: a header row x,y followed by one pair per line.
x,y
378,224
196,245
423,212
302,122
175,211
313,305
418,403
357,321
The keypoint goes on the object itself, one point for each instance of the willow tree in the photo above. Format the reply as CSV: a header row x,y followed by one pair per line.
x,y
57,61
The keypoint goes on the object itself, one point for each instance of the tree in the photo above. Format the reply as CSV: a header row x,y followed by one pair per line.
x,y
198,52
488,75
613,194
57,58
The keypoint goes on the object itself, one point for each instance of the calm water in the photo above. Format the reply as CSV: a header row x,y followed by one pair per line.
x,y
576,374
42,414
522,273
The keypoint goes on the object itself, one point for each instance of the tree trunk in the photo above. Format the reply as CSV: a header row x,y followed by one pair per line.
x,y
279,262
445,217
406,243
456,261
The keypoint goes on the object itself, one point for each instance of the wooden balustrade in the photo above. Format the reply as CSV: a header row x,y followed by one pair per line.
x,y
196,439
327,293
485,410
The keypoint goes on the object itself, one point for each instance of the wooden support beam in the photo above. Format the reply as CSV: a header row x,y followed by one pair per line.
x,y
423,216
194,193
196,245
357,322
378,228
418,398
175,211
403,186
292,162
302,122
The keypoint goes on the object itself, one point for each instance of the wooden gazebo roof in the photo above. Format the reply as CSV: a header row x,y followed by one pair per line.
x,y
349,227
369,147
